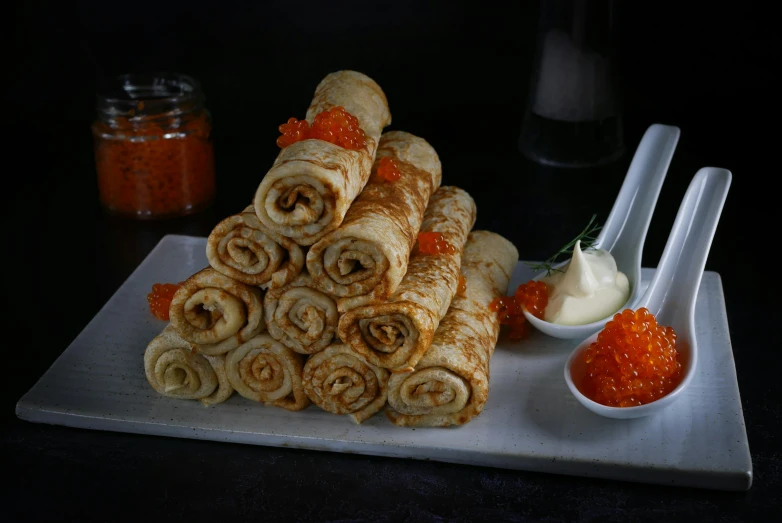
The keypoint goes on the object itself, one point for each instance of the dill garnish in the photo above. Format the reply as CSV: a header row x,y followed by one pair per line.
x,y
587,238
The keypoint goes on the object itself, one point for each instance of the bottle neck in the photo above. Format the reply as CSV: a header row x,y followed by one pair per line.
x,y
165,99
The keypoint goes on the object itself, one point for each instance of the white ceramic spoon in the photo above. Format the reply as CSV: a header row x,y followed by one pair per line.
x,y
624,232
672,292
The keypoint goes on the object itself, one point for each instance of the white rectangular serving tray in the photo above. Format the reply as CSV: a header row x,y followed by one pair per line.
x,y
531,421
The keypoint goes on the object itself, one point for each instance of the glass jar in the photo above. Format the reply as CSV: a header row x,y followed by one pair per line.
x,y
153,147
573,117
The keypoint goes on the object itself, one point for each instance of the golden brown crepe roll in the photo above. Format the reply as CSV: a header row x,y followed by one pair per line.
x,y
301,317
364,260
216,312
312,183
396,333
243,249
266,371
450,384
340,381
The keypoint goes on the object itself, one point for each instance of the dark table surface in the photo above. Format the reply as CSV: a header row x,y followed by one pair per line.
x,y
65,257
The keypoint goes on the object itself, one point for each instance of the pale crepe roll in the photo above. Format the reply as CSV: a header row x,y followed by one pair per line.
x,y
364,260
311,184
243,249
340,381
216,312
450,384
174,370
396,333
224,389
301,317
266,371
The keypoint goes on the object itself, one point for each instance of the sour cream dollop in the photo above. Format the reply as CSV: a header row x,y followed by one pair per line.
x,y
590,289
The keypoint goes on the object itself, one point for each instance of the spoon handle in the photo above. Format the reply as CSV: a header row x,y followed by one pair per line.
x,y
679,272
629,219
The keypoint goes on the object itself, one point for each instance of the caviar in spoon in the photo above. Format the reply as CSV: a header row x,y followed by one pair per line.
x,y
632,362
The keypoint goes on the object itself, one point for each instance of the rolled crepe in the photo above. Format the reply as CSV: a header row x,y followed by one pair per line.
x,y
364,260
340,381
174,370
268,372
312,183
216,312
243,249
396,333
224,389
450,384
300,317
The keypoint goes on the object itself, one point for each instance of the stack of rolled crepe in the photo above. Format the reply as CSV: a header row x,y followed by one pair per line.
x,y
317,293
215,342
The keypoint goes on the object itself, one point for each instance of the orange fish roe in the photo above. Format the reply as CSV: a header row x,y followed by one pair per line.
x,y
160,299
532,296
388,170
293,131
462,288
434,243
634,361
145,173
334,125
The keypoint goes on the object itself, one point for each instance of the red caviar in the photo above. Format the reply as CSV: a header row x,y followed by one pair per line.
x,y
532,296
434,243
462,288
160,299
153,168
634,361
334,125
293,131
388,170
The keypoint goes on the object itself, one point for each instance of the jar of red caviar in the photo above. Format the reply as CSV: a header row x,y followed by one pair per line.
x,y
153,147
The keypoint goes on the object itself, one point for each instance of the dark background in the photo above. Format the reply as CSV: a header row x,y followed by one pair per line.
x,y
456,73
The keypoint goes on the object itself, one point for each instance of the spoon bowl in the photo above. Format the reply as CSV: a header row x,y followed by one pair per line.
x,y
672,292
624,232
581,331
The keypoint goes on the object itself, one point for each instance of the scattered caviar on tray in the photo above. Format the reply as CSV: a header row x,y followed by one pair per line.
x,y
462,288
634,361
334,125
388,170
434,243
160,299
532,296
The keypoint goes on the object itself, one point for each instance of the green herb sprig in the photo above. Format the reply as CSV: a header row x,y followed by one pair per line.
x,y
587,238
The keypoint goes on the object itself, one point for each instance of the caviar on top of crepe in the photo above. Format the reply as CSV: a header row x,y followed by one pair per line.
x,y
388,170
434,243
462,287
634,361
334,125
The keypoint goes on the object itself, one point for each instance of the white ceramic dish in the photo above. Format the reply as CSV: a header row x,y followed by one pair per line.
x,y
531,421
